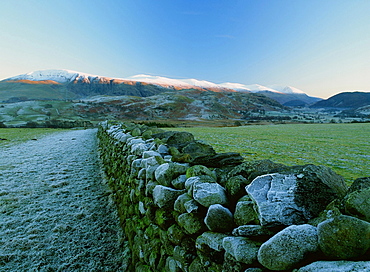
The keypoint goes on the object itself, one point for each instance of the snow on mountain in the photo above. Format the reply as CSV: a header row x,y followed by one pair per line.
x,y
64,76
158,80
286,89
61,76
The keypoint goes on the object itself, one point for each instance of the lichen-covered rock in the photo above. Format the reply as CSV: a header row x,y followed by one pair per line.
x,y
175,138
344,237
296,194
212,240
244,212
150,153
191,223
357,204
200,170
198,149
235,186
138,149
219,219
164,196
208,194
242,249
162,149
191,206
288,247
166,172
336,266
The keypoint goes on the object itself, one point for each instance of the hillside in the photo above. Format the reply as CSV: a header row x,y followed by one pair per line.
x,y
345,100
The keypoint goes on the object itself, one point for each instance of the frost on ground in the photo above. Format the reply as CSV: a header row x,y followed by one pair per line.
x,y
55,208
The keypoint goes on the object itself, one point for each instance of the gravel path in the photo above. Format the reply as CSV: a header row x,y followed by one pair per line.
x,y
56,213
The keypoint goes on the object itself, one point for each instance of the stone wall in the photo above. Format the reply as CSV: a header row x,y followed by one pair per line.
x,y
185,207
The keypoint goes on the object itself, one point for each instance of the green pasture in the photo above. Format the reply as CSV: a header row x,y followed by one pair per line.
x,y
12,136
345,148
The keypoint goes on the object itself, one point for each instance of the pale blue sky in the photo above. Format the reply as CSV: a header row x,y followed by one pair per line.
x,y
321,47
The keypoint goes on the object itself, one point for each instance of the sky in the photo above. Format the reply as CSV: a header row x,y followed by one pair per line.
x,y
319,46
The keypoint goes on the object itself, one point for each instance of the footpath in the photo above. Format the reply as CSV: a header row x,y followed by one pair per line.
x,y
56,213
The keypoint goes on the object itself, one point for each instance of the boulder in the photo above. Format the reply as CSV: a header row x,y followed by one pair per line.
x,y
336,266
166,172
344,237
208,194
273,195
296,194
288,247
357,204
219,219
162,149
242,249
244,212
164,197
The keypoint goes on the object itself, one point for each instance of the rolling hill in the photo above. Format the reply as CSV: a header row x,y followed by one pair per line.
x,y
345,100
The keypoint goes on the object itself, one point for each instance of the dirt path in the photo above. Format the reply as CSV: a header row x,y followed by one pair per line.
x,y
55,209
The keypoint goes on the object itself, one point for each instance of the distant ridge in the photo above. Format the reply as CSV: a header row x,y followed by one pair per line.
x,y
345,100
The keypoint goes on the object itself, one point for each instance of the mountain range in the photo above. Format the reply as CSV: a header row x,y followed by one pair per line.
x,y
67,84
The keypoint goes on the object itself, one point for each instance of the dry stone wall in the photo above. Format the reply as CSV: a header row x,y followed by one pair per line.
x,y
185,207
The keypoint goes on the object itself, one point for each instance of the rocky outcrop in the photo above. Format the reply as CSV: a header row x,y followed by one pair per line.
x,y
184,207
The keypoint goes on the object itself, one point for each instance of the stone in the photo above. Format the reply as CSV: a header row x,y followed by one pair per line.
x,y
179,182
172,265
344,237
219,160
136,132
162,149
150,153
175,138
357,204
242,249
165,197
295,194
336,266
252,169
219,219
179,204
166,172
191,206
212,240
235,186
200,170
198,149
253,231
138,149
208,194
191,223
244,212
273,195
288,247
175,234
359,184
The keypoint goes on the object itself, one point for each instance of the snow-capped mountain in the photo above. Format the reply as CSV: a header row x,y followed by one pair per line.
x,y
134,85
60,76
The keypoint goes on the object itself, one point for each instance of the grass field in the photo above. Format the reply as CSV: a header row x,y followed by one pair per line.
x,y
343,147
18,135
